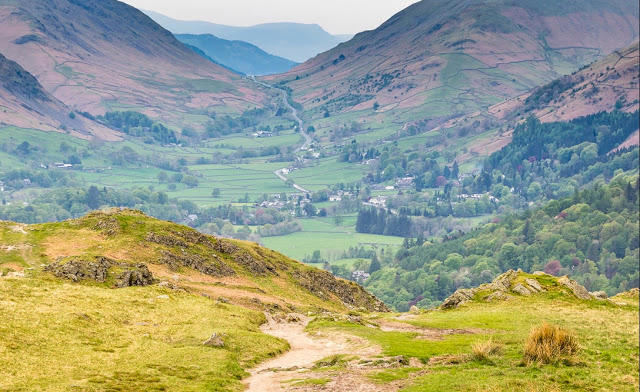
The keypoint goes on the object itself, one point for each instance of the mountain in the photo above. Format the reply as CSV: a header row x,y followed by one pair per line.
x,y
438,58
611,82
97,56
26,104
238,55
294,41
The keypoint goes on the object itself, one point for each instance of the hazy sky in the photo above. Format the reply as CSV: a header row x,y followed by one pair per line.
x,y
335,16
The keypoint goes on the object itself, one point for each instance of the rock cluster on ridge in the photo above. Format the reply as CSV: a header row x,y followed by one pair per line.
x,y
512,283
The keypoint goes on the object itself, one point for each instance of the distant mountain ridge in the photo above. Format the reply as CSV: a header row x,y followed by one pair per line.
x,y
440,58
293,41
97,56
238,55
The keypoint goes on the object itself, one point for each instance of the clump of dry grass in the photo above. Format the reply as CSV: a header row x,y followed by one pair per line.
x,y
482,351
547,343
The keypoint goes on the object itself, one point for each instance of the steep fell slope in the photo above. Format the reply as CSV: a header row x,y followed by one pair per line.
x,y
25,103
595,88
439,57
100,55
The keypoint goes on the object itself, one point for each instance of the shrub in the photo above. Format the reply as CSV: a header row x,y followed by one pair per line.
x,y
547,343
482,351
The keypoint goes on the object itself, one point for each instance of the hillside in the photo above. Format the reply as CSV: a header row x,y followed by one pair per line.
x,y
97,56
438,58
238,55
120,287
26,104
172,307
293,41
594,88
592,236
483,344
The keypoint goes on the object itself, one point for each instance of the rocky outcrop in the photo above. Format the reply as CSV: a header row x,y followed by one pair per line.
x,y
209,264
77,269
324,285
215,340
166,240
251,264
99,269
512,283
138,275
575,287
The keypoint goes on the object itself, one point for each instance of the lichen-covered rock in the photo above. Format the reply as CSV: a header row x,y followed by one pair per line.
x,y
414,310
498,296
575,287
76,269
600,295
138,275
166,240
215,340
520,289
224,246
252,265
534,284
210,266
458,298
504,281
98,268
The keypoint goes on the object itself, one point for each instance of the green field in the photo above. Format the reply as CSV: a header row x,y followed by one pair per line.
x,y
329,239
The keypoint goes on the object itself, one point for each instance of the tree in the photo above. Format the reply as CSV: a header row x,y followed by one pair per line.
x,y
93,197
376,106
24,148
162,177
455,171
190,181
338,219
375,264
527,232
441,181
310,209
553,267
215,192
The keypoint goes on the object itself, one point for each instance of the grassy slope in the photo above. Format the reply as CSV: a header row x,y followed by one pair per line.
x,y
607,333
57,336
153,334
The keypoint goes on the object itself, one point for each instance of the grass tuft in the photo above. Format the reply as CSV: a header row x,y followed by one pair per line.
x,y
548,343
483,351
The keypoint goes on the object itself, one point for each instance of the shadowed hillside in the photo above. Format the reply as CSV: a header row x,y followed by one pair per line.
x,y
26,104
97,56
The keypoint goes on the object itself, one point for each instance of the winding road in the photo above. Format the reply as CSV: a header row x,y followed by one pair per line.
x,y
294,114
